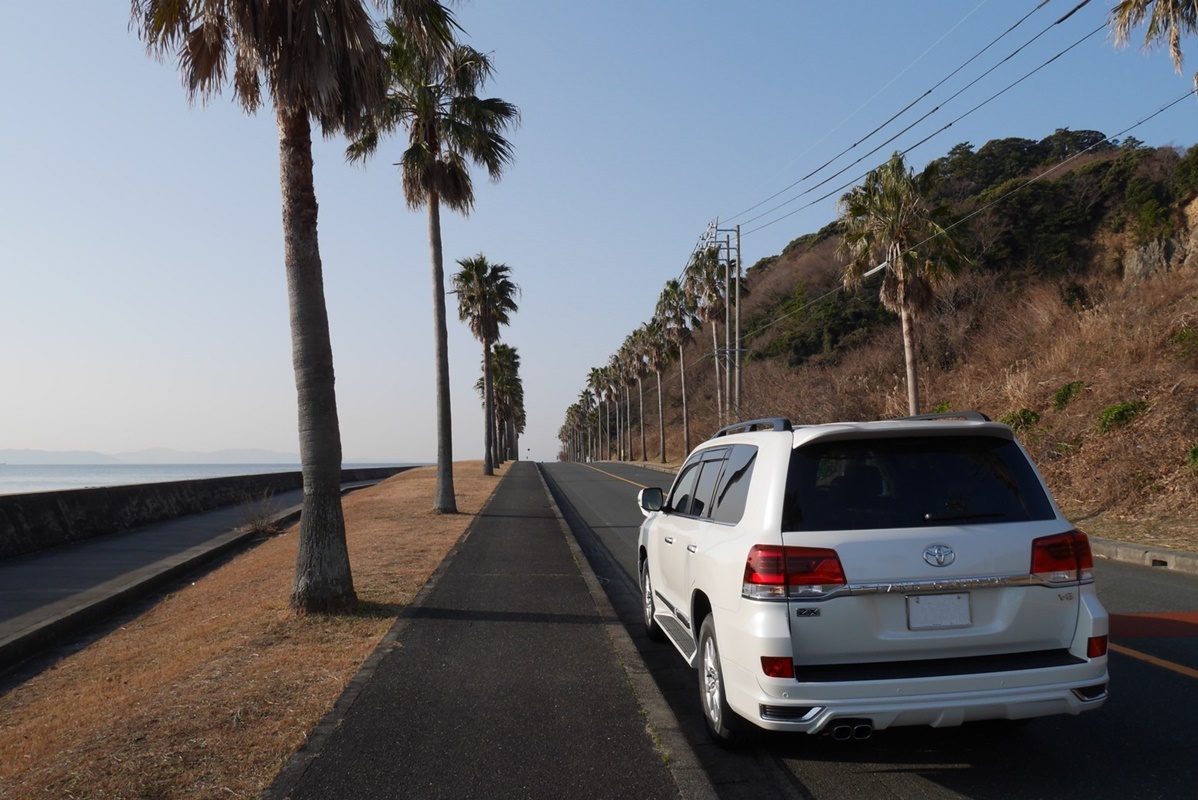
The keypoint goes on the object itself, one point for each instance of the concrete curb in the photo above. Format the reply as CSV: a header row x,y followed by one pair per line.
x,y
689,776
134,586
128,590
1146,555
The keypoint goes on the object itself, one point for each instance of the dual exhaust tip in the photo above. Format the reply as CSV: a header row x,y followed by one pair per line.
x,y
843,730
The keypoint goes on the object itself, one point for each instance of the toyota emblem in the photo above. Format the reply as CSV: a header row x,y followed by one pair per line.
x,y
939,555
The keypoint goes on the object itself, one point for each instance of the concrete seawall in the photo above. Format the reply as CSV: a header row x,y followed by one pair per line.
x,y
31,522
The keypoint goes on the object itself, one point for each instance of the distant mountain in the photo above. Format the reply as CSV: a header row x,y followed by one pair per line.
x,y
38,457
156,455
163,455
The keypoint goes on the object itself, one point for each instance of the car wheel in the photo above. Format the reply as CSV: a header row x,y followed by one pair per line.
x,y
723,724
648,607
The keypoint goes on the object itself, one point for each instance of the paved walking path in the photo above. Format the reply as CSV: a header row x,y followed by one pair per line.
x,y
48,595
501,681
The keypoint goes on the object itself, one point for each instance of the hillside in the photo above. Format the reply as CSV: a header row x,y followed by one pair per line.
x,y
1077,324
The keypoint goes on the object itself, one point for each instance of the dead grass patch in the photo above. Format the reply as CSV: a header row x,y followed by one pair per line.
x,y
209,693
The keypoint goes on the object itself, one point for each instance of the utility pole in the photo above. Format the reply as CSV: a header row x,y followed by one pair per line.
x,y
731,256
737,352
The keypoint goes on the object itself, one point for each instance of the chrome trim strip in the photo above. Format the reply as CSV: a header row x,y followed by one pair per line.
x,y
929,586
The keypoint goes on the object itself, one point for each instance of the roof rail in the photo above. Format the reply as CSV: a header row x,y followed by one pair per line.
x,y
775,423
972,416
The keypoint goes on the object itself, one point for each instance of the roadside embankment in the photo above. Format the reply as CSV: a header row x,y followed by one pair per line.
x,y
31,522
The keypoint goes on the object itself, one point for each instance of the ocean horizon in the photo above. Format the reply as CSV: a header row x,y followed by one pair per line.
x,y
30,478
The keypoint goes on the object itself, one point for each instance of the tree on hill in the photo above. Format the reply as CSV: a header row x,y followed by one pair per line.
x,y
434,96
313,60
889,221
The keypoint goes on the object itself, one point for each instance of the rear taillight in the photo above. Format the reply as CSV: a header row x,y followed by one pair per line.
x,y
1063,558
1096,646
778,666
775,572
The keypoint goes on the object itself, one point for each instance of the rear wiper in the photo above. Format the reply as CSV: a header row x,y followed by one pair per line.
x,y
954,516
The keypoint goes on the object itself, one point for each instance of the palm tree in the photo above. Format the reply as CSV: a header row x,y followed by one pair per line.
x,y
597,383
509,399
888,219
639,351
657,353
312,59
486,300
586,404
615,381
705,284
1168,21
676,311
434,96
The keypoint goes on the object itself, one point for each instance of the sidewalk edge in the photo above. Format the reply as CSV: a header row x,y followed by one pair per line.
x,y
293,771
689,776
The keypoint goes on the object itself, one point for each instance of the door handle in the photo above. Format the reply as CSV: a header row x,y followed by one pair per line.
x,y
669,540
692,548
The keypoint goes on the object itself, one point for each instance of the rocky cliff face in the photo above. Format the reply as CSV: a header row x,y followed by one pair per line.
x,y
1165,255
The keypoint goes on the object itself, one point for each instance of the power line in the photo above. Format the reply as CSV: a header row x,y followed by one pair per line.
x,y
879,92
914,102
922,141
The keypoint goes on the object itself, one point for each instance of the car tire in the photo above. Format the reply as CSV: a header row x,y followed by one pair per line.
x,y
724,726
648,606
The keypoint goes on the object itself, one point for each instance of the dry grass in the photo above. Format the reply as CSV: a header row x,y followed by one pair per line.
x,y
209,693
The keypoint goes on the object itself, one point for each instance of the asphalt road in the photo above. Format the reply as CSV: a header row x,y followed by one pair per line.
x,y
1142,744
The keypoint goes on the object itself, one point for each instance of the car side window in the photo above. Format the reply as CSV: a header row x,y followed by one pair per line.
x,y
713,461
733,488
680,495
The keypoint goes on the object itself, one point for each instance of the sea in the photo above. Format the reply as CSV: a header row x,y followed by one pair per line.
x,y
26,478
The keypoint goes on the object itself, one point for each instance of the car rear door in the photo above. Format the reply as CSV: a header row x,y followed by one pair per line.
x,y
681,523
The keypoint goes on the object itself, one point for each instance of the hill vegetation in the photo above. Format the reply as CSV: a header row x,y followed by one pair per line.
x,y
1077,324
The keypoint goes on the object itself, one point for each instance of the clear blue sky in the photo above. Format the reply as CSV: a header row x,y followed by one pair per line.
x,y
142,294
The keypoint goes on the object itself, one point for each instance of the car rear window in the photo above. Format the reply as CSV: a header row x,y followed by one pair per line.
x,y
911,482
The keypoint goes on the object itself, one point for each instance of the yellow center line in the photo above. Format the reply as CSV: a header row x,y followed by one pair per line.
x,y
1160,662
617,477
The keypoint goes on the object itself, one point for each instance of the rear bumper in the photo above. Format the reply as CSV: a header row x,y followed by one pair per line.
x,y
938,702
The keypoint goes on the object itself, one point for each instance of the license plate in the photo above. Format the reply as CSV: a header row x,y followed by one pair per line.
x,y
933,611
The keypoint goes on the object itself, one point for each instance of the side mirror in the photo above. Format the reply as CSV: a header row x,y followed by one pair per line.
x,y
650,499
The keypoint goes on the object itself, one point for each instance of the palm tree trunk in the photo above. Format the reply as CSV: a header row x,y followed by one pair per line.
x,y
909,358
323,582
488,412
661,419
445,502
607,420
686,423
619,434
715,354
628,419
640,399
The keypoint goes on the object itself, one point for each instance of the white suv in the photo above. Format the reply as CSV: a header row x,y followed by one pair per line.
x,y
848,577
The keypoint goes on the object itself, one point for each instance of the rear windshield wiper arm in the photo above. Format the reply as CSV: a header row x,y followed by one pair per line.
x,y
953,516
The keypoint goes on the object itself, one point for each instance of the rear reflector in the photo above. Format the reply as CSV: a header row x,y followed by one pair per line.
x,y
775,572
1063,558
1096,647
777,666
